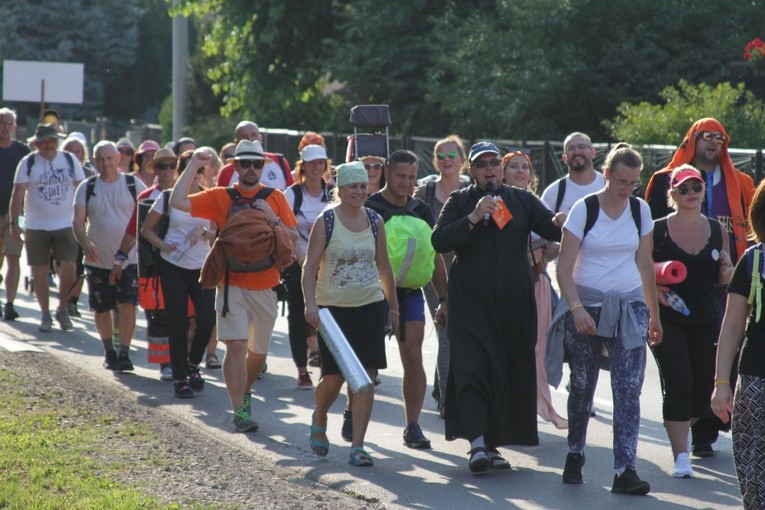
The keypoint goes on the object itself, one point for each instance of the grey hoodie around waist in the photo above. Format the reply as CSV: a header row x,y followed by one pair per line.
x,y
616,317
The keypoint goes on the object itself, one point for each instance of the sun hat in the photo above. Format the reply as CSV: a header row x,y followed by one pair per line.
x,y
43,132
247,149
351,173
160,156
124,142
313,152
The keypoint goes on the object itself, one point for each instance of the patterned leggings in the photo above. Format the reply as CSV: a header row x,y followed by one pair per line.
x,y
748,430
627,371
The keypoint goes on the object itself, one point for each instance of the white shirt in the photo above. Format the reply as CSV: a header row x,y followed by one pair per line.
x,y
606,259
108,211
182,224
50,191
573,192
310,209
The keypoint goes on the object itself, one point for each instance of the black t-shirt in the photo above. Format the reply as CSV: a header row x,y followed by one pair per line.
x,y
752,359
414,207
9,160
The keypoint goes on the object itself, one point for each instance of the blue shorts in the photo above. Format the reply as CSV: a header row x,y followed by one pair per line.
x,y
411,305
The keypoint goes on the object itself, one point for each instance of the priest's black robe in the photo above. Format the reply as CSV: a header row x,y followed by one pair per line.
x,y
491,389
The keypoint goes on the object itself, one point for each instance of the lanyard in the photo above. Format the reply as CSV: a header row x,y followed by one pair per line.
x,y
710,183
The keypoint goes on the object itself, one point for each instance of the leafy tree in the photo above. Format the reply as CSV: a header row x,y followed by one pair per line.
x,y
667,122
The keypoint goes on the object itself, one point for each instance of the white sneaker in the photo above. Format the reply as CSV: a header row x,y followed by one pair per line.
x,y
166,373
682,467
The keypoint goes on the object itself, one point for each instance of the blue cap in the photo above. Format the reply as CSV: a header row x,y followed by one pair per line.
x,y
482,148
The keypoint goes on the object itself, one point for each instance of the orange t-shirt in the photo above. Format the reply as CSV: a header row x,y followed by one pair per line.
x,y
214,203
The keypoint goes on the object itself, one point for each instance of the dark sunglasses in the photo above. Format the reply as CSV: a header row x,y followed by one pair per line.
x,y
483,163
375,166
126,152
684,189
164,166
708,137
257,164
444,155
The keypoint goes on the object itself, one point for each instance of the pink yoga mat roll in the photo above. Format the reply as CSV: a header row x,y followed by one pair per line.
x,y
670,272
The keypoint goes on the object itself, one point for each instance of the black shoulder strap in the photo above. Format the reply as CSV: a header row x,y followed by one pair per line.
x,y
130,179
166,203
281,162
430,192
716,236
329,223
593,210
297,191
659,236
30,163
90,187
70,160
636,217
561,193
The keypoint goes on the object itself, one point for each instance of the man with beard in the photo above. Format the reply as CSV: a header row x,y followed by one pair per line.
x,y
247,304
581,180
728,196
276,172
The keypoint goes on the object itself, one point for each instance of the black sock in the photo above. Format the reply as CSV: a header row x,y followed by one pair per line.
x,y
108,346
124,349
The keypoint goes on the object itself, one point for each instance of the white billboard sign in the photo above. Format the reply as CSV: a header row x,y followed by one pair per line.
x,y
50,82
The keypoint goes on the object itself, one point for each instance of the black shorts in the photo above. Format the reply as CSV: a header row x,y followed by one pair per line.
x,y
364,328
103,297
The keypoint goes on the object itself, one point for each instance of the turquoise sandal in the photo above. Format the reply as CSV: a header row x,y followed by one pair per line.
x,y
319,447
359,457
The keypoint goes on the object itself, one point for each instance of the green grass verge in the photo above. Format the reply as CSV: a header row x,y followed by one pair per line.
x,y
54,455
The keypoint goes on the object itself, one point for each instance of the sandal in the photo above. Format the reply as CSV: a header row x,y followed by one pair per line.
x,y
313,359
212,361
320,447
359,457
496,460
479,462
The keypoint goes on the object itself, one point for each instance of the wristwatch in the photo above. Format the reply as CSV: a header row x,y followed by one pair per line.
x,y
120,257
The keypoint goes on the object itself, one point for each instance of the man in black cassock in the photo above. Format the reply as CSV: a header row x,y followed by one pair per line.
x,y
491,391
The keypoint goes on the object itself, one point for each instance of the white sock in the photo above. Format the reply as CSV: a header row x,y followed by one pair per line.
x,y
477,443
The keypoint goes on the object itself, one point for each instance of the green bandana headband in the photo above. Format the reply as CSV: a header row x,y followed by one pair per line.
x,y
351,173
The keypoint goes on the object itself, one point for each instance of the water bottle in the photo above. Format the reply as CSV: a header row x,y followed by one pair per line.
x,y
182,248
676,302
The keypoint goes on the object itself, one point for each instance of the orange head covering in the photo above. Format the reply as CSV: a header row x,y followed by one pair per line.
x,y
510,155
687,150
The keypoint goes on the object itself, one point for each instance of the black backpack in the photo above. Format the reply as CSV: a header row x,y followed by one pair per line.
x,y
593,210
148,255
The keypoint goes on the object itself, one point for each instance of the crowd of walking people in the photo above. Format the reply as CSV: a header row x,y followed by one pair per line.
x,y
207,240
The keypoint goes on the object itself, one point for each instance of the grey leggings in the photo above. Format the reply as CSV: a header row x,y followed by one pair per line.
x,y
627,371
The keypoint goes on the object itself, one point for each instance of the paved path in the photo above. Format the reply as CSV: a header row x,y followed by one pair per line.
x,y
403,478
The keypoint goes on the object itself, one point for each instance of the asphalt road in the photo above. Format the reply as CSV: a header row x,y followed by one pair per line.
x,y
404,478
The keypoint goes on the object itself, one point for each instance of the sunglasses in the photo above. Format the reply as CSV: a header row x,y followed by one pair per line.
x,y
444,155
126,152
164,166
257,164
709,137
684,189
373,166
483,163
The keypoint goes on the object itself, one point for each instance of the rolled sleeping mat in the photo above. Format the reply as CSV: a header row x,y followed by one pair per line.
x,y
346,359
670,272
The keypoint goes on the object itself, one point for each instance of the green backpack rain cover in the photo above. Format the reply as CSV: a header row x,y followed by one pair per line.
x,y
410,251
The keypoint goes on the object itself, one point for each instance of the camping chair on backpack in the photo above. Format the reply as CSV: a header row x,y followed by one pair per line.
x,y
374,117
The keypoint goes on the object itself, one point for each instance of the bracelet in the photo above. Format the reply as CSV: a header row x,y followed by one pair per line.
x,y
718,382
442,299
576,305
394,312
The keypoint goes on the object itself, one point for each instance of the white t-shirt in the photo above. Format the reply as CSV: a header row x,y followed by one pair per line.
x,y
606,259
272,176
108,211
182,224
310,209
573,192
50,191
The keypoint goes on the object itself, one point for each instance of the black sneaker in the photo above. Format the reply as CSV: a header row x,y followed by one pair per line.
x,y
630,483
572,473
123,362
347,430
110,361
414,438
183,390
195,379
10,313
703,450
